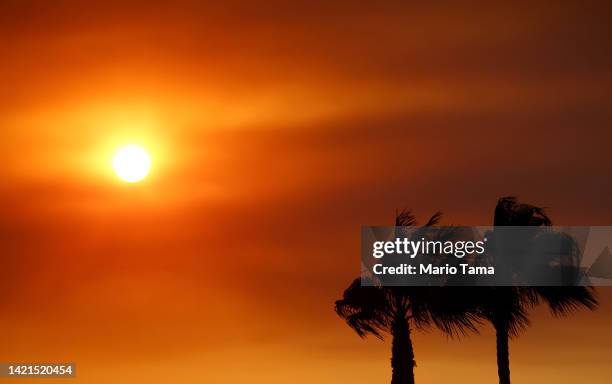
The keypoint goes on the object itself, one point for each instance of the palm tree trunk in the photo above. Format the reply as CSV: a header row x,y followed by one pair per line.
x,y
503,353
402,354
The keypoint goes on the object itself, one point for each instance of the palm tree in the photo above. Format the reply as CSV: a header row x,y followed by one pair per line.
x,y
506,307
397,311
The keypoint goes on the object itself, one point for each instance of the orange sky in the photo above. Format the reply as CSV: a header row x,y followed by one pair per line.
x,y
277,129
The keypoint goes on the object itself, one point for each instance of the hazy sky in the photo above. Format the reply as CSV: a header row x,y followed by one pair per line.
x,y
277,129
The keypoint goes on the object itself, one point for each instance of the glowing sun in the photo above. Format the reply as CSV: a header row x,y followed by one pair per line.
x,y
131,163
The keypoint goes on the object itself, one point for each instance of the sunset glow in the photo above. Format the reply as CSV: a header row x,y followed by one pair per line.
x,y
132,163
183,184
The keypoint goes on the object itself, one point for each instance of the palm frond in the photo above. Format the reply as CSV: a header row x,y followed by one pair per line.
x,y
404,218
566,300
435,219
365,309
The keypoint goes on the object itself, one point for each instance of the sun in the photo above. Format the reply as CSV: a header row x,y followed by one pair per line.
x,y
132,163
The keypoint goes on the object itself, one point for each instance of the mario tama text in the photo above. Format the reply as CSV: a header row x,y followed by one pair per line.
x,y
432,270
428,250
486,256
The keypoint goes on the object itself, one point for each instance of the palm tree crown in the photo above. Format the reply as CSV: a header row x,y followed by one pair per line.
x,y
396,311
506,308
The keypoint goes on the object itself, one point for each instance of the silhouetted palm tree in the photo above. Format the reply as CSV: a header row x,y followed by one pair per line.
x,y
506,307
396,311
